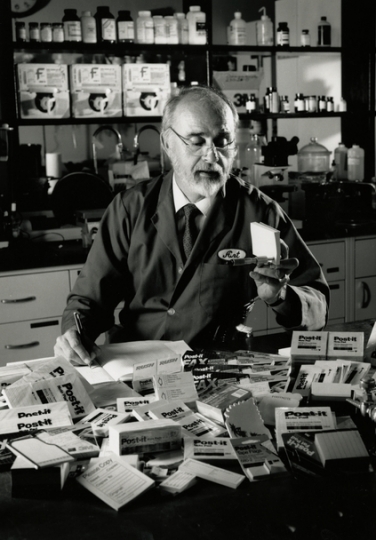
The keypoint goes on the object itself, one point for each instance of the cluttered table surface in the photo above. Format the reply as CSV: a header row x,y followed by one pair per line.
x,y
311,508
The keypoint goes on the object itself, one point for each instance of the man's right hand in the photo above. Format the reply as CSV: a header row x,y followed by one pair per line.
x,y
70,347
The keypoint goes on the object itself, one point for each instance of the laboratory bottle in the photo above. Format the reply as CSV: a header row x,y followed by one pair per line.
x,y
274,104
88,27
34,31
196,26
283,35
160,30
20,32
340,157
182,28
72,25
4,142
324,33
45,32
172,36
305,39
251,104
106,25
237,30
355,163
342,106
264,30
252,156
125,27
145,27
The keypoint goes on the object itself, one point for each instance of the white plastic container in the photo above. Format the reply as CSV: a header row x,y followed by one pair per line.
x,y
355,163
237,30
252,156
145,27
182,28
264,30
160,33
340,158
172,36
196,26
88,27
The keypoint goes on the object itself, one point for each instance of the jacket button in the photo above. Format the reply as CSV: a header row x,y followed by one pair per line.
x,y
180,269
171,311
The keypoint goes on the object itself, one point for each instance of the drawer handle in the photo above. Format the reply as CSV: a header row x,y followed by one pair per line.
x,y
44,324
18,300
366,295
333,287
332,270
23,345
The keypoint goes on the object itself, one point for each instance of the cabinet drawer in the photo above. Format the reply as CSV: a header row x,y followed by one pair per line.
x,y
365,298
365,257
32,296
337,300
331,258
28,340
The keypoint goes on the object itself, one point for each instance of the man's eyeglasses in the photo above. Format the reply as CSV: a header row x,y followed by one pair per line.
x,y
198,146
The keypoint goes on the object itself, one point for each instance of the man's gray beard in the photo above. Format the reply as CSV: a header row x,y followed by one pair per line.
x,y
204,187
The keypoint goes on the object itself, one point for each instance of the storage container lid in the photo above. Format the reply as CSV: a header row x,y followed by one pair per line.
x,y
314,148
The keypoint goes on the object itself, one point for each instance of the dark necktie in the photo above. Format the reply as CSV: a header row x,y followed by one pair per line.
x,y
190,231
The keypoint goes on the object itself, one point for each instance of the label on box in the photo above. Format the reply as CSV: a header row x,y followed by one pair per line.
x,y
237,85
346,345
146,89
96,90
309,344
43,90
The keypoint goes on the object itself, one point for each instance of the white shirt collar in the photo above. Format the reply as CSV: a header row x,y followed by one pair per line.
x,y
181,200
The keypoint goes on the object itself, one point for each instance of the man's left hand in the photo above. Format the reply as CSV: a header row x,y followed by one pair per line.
x,y
271,279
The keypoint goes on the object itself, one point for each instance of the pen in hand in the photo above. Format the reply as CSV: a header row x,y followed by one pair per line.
x,y
85,344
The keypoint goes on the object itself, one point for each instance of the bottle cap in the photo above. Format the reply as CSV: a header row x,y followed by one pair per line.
x,y
237,15
86,14
264,16
194,8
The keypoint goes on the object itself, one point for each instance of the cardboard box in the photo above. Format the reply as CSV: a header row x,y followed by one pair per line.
x,y
307,347
238,85
96,90
43,91
346,345
146,89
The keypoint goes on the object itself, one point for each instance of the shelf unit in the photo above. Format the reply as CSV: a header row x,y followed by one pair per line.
x,y
358,54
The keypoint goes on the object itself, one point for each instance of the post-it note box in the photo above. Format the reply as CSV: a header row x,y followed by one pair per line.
x,y
308,346
349,345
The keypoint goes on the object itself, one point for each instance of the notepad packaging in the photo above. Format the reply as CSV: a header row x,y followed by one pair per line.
x,y
146,89
96,90
43,91
144,437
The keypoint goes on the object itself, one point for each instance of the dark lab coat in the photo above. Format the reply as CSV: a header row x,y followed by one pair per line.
x,y
136,258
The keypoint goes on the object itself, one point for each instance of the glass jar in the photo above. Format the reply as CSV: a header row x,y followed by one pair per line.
x,y
45,32
34,33
72,25
125,27
20,32
314,157
57,32
106,25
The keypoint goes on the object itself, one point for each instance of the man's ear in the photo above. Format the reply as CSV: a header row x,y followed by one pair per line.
x,y
164,143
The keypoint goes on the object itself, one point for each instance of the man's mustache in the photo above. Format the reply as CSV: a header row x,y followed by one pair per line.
x,y
208,168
